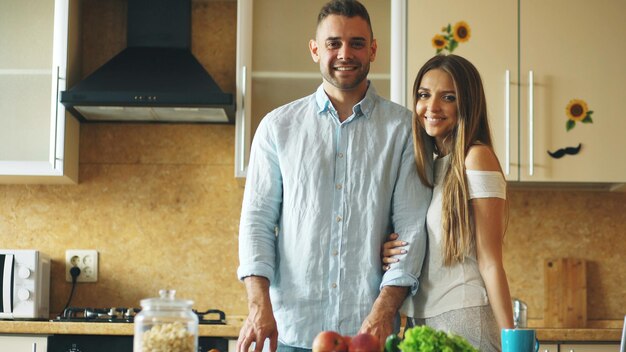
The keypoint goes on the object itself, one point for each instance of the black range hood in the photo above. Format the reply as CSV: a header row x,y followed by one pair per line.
x,y
156,78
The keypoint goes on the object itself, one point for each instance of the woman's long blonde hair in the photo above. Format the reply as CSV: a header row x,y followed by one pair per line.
x,y
472,128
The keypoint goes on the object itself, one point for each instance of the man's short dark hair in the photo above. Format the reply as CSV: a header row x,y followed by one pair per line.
x,y
347,8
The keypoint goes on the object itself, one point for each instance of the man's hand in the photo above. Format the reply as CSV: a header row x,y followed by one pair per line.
x,y
260,323
379,325
380,320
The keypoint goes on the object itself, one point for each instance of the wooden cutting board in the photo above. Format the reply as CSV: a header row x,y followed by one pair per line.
x,y
565,297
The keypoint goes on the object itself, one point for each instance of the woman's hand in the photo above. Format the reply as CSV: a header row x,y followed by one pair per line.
x,y
390,249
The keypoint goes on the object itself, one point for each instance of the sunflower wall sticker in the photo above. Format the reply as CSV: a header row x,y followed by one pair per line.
x,y
577,111
451,37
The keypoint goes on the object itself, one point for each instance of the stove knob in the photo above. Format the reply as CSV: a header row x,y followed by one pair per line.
x,y
23,294
23,272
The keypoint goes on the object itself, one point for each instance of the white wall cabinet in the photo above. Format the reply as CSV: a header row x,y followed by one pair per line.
x,y
274,66
24,343
535,57
38,140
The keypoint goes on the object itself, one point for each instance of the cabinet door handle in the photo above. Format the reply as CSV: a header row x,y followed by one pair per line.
x,y
244,92
57,78
34,346
531,118
507,122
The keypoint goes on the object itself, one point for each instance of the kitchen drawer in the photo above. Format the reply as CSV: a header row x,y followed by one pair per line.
x,y
24,343
548,347
589,348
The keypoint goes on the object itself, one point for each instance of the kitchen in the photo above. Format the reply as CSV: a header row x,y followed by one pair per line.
x,y
145,185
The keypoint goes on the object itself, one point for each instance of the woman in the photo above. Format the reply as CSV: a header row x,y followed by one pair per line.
x,y
463,286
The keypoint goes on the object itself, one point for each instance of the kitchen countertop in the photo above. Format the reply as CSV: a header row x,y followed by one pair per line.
x,y
582,334
231,330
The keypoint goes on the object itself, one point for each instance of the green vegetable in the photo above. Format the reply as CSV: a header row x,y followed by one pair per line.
x,y
427,339
392,342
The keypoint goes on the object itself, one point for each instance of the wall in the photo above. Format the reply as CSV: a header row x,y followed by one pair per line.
x,y
161,205
548,224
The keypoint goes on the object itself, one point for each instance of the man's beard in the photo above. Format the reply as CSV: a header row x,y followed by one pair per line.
x,y
344,84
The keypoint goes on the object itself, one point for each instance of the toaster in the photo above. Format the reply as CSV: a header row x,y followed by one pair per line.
x,y
24,284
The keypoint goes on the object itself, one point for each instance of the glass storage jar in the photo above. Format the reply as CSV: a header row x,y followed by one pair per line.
x,y
166,324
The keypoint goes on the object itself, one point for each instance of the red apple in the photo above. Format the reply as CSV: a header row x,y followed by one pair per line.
x,y
364,342
329,341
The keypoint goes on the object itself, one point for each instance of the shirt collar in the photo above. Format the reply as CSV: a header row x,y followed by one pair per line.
x,y
364,107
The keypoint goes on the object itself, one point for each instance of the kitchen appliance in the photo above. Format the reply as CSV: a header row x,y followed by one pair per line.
x,y
520,313
127,315
156,78
119,343
24,284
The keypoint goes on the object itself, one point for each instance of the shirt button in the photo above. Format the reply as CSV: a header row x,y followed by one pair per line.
x,y
338,218
340,155
335,252
339,186
334,285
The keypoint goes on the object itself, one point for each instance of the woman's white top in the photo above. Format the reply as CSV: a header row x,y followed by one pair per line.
x,y
445,288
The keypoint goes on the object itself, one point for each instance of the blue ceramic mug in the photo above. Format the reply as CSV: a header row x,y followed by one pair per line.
x,y
519,340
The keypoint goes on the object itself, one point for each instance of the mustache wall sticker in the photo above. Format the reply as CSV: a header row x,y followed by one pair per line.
x,y
565,151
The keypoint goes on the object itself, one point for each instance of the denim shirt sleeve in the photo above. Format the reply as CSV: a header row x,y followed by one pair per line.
x,y
261,207
411,199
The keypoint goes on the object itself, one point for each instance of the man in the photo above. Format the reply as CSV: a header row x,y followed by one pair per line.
x,y
330,176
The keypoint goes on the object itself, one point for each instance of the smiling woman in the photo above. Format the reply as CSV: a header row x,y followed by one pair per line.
x,y
463,285
436,106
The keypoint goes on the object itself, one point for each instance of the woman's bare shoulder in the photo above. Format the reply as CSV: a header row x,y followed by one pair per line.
x,y
481,157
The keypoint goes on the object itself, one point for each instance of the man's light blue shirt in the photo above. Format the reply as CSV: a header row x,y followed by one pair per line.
x,y
321,198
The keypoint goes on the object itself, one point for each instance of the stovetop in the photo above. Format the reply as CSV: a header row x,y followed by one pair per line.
x,y
127,315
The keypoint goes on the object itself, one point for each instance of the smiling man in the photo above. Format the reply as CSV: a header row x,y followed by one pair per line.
x,y
330,176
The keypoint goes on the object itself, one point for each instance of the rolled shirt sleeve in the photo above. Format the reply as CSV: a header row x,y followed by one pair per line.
x,y
261,208
411,199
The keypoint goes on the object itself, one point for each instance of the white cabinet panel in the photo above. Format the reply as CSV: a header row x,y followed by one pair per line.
x,y
24,343
568,46
548,347
38,141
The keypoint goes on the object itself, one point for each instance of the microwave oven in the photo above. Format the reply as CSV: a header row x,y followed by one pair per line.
x,y
24,284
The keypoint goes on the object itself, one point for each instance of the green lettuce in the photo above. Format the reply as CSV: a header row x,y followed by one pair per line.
x,y
427,339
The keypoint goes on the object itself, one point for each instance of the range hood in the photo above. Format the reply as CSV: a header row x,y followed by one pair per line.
x,y
156,78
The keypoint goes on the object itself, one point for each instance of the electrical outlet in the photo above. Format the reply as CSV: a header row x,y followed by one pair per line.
x,y
86,260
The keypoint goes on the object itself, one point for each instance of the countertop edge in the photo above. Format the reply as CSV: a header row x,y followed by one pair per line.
x,y
578,335
230,331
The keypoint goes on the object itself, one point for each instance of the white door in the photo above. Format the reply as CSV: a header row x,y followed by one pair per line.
x,y
575,52
33,66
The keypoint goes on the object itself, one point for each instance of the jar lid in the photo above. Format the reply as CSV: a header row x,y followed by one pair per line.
x,y
166,300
